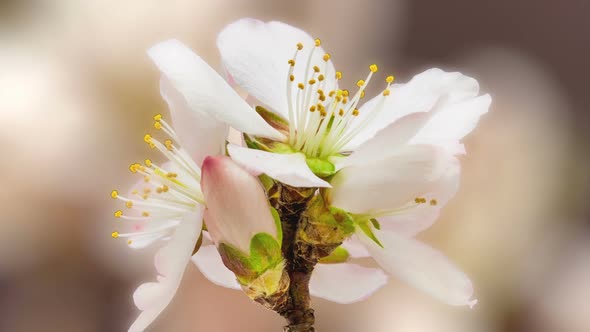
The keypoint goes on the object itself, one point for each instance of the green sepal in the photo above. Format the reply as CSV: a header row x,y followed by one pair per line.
x,y
366,228
339,255
277,219
265,253
320,167
267,181
273,119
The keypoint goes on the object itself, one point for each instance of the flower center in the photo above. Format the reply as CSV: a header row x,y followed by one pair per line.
x,y
321,123
157,204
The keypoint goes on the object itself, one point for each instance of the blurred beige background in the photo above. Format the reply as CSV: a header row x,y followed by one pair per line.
x,y
77,92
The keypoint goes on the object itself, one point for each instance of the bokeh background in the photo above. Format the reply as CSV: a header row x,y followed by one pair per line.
x,y
77,93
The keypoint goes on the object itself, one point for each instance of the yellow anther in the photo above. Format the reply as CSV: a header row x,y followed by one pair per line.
x,y
148,163
115,235
420,200
322,98
363,94
145,196
332,93
157,125
373,68
338,75
321,77
147,138
345,93
355,112
299,46
147,191
320,92
386,92
146,179
165,188
341,112
129,241
168,144
338,98
318,42
134,168
134,192
129,204
316,69
360,83
145,214
389,79
326,57
311,82
171,175
301,86
159,190
344,100
433,202
312,108
114,194
292,78
323,112
152,145
118,214
158,117
291,62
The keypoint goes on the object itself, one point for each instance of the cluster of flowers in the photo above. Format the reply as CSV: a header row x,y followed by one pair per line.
x,y
389,165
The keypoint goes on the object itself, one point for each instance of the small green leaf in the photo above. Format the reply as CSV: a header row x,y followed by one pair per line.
x,y
277,218
265,252
273,119
339,255
366,228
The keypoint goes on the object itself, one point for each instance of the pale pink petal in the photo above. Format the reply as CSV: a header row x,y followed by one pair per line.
x,y
204,90
256,56
355,248
170,261
237,208
420,266
345,282
390,183
412,221
200,134
290,168
420,94
209,262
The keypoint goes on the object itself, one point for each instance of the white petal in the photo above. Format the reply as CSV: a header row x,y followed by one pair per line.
x,y
355,248
345,282
205,91
389,183
256,55
237,208
200,134
452,122
420,266
207,259
420,94
386,141
170,261
290,169
411,222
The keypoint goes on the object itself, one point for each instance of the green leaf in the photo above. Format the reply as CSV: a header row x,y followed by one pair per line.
x,y
339,255
366,228
277,218
265,252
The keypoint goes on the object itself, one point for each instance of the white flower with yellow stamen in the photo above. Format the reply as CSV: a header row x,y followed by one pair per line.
x,y
389,162
166,205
